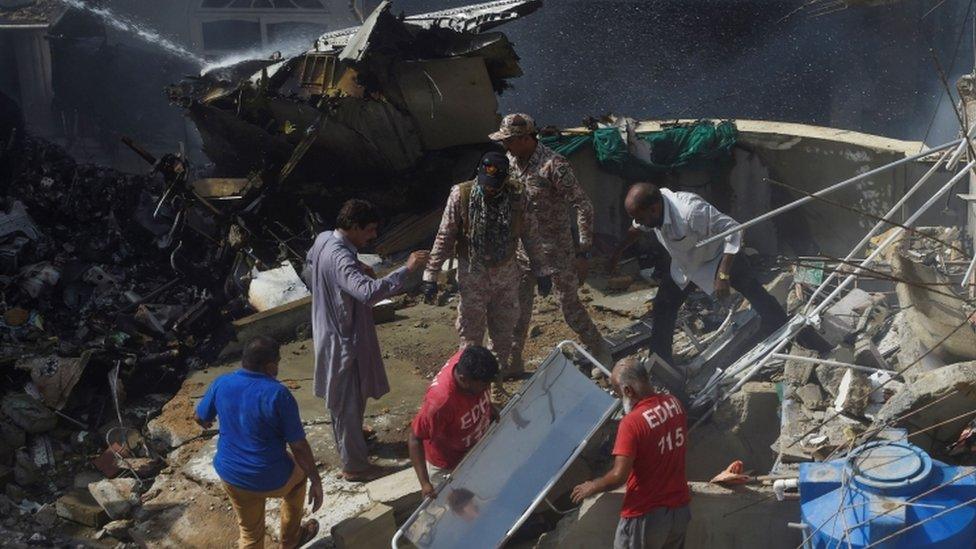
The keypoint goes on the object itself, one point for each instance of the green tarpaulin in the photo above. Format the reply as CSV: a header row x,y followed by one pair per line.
x,y
699,143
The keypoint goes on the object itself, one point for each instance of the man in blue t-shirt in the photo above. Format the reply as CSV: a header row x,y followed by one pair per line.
x,y
258,418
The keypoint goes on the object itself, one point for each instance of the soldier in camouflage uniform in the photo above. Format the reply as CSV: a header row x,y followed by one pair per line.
x,y
552,190
484,222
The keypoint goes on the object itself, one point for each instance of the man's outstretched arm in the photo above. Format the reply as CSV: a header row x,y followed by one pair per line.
x,y
615,478
419,460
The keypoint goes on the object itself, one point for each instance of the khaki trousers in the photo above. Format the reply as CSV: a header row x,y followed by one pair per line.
x,y
249,507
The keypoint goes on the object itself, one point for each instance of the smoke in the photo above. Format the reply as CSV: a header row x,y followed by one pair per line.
x,y
865,69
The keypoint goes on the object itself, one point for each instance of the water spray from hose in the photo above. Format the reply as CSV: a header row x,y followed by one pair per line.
x,y
127,25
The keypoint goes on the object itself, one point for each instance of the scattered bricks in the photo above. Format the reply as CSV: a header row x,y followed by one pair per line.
x,y
839,321
811,396
866,353
79,506
28,413
852,393
374,527
116,496
797,373
401,491
106,462
384,311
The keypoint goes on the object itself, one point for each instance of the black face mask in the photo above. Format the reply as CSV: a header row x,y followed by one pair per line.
x,y
491,189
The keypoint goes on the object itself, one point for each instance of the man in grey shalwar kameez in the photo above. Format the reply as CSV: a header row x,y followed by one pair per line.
x,y
348,364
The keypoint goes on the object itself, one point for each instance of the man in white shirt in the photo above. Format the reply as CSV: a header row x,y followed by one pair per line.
x,y
680,220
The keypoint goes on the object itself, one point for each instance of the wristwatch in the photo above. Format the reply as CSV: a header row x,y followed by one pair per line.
x,y
723,276
584,254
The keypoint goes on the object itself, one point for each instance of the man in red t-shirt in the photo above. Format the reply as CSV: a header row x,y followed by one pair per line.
x,y
455,414
649,455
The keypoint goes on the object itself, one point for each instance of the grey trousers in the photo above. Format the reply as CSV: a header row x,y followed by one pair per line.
x,y
661,528
347,413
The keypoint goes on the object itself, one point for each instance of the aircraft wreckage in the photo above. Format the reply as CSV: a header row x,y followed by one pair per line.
x,y
398,99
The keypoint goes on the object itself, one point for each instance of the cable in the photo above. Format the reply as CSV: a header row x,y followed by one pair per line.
x,y
952,65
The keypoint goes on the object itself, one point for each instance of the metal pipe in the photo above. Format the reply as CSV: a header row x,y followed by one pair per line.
x,y
891,238
877,227
966,280
797,203
835,363
784,339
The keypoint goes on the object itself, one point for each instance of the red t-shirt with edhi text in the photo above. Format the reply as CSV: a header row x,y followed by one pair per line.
x,y
451,421
655,434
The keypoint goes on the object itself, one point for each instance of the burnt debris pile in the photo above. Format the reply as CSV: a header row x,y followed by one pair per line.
x,y
113,286
394,111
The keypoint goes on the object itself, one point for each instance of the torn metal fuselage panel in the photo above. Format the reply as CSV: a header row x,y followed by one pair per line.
x,y
378,97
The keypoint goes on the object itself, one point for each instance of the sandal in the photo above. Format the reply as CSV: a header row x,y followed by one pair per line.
x,y
310,529
372,473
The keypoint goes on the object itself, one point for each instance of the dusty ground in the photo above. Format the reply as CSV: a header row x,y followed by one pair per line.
x,y
414,345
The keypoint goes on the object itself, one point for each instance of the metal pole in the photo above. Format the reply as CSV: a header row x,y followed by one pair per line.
x,y
878,226
891,238
797,203
966,280
812,360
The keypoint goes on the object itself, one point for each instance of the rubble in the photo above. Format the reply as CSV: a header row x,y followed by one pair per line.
x,y
945,394
934,316
79,506
28,413
839,321
116,496
852,393
114,286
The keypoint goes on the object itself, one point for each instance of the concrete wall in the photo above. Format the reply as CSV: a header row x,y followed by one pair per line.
x,y
742,518
808,158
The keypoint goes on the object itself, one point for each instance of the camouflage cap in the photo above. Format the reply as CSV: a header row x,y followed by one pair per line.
x,y
514,125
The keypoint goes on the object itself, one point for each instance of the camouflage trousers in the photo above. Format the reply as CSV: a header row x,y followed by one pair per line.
x,y
488,299
565,288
